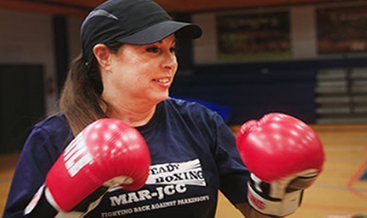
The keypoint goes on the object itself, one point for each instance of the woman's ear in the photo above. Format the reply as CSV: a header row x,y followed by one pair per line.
x,y
103,55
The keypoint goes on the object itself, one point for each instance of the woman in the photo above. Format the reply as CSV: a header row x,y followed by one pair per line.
x,y
125,70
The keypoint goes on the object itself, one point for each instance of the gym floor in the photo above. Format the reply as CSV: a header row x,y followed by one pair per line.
x,y
340,190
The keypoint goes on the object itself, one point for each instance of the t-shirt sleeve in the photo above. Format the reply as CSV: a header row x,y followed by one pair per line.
x,y
233,173
37,157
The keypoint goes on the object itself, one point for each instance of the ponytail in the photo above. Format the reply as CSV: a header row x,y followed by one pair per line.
x,y
80,99
81,96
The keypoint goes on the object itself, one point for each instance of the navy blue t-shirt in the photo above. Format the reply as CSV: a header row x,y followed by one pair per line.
x,y
193,154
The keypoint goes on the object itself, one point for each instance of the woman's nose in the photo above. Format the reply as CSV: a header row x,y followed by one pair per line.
x,y
170,61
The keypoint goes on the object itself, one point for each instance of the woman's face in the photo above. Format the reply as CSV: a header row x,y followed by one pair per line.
x,y
143,72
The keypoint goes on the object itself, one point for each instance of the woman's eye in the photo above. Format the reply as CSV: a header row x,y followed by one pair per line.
x,y
156,49
173,50
153,49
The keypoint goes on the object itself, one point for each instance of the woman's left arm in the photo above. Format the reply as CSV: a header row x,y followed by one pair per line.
x,y
234,174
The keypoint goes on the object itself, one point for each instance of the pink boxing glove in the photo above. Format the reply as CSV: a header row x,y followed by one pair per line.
x,y
107,152
284,156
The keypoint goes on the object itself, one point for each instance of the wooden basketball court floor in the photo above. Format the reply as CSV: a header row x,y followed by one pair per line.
x,y
340,190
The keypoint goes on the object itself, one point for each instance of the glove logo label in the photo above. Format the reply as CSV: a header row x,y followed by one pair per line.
x,y
76,156
255,202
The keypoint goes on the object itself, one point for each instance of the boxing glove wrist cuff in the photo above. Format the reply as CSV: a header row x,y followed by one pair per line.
x,y
274,207
40,206
50,199
92,200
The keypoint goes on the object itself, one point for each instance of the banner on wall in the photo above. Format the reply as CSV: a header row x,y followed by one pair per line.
x,y
253,36
342,30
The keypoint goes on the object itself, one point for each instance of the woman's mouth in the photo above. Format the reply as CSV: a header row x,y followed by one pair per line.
x,y
164,82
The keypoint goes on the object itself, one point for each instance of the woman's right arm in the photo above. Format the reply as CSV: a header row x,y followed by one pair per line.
x,y
37,157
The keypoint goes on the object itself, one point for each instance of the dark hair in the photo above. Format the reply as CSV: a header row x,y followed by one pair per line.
x,y
80,99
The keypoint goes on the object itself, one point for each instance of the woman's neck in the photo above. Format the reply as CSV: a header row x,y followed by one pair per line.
x,y
132,113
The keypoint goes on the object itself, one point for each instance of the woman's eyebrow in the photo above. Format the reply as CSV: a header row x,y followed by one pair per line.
x,y
160,41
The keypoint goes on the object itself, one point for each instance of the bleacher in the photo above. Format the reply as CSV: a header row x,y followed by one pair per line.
x,y
252,90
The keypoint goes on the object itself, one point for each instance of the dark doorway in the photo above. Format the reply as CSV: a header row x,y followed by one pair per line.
x,y
22,99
